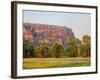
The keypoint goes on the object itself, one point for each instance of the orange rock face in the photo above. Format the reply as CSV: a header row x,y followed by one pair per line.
x,y
44,33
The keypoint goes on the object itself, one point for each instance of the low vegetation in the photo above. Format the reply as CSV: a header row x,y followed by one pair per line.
x,y
74,48
76,53
33,63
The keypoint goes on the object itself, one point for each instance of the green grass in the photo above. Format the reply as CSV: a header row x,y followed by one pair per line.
x,y
33,63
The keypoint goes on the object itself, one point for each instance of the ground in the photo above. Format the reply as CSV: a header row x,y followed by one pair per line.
x,y
33,63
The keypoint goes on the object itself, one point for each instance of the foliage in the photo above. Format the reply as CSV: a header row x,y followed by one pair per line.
x,y
43,51
57,50
86,46
28,49
74,48
86,39
71,49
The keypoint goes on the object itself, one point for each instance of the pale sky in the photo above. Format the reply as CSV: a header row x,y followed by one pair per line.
x,y
80,23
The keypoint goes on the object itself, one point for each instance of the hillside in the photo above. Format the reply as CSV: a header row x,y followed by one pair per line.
x,y
43,33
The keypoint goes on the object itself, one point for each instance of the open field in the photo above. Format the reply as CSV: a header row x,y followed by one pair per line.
x,y
33,63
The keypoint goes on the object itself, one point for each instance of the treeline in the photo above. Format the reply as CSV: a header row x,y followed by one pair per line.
x,y
73,48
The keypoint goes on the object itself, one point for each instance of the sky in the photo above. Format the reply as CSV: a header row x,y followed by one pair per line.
x,y
80,23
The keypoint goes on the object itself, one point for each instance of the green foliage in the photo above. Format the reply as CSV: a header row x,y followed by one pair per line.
x,y
43,51
86,46
77,48
25,44
86,39
71,49
78,44
74,48
85,50
57,50
28,49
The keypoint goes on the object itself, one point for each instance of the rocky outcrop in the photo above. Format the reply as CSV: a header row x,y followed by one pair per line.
x,y
43,33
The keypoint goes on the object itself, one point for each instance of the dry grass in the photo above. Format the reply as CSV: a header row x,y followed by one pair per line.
x,y
33,63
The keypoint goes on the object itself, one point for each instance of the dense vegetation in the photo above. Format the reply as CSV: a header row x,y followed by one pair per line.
x,y
74,48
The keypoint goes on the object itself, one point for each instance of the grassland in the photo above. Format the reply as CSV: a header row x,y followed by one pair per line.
x,y
33,63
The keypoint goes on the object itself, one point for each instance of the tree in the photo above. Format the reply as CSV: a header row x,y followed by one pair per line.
x,y
71,49
57,50
78,44
86,46
86,39
31,51
28,49
43,51
25,48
